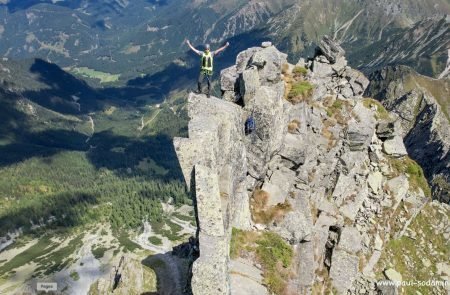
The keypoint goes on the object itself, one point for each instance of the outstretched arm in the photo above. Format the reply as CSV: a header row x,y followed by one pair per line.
x,y
222,48
193,48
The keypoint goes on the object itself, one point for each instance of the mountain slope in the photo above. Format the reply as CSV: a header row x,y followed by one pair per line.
x,y
72,159
370,31
132,38
422,108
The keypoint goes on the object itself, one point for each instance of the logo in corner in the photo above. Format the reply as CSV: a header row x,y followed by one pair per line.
x,y
47,287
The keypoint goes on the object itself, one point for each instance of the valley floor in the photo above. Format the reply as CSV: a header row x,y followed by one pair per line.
x,y
78,260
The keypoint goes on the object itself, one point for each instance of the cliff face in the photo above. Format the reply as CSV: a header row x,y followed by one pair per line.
x,y
213,160
420,106
324,171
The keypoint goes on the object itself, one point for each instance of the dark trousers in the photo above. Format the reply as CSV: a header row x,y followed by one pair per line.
x,y
203,75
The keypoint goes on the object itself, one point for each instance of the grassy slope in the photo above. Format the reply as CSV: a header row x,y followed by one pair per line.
x,y
437,88
411,256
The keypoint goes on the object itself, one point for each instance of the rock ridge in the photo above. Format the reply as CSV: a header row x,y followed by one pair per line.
x,y
332,158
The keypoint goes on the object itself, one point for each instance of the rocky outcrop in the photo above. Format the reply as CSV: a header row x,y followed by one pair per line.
x,y
330,49
331,74
335,181
213,160
420,106
128,277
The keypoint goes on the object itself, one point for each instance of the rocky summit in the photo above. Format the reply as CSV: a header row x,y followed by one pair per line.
x,y
316,199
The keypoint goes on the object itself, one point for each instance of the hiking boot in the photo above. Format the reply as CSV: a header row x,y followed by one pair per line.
x,y
197,92
207,95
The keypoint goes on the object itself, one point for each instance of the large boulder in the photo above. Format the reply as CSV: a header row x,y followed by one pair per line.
x,y
330,49
269,62
267,139
228,78
246,278
344,270
358,135
244,57
374,180
350,240
395,147
322,70
229,84
306,266
248,85
398,188
361,128
385,130
357,81
293,149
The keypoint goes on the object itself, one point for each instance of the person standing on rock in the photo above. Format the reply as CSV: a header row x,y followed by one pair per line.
x,y
206,66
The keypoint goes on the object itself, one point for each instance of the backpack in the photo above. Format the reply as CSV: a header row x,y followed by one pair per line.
x,y
250,125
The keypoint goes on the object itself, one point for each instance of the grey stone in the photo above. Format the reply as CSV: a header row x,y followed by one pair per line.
x,y
343,271
393,275
327,207
216,149
283,177
207,196
270,120
443,268
269,62
228,78
321,70
395,147
357,81
243,58
339,65
325,221
306,265
374,181
378,244
266,44
245,278
347,91
301,63
277,195
230,96
295,226
211,118
350,240
359,132
210,270
330,49
385,130
293,149
376,156
248,86
351,201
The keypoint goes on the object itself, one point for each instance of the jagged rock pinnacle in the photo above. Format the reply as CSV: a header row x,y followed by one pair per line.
x,y
315,160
